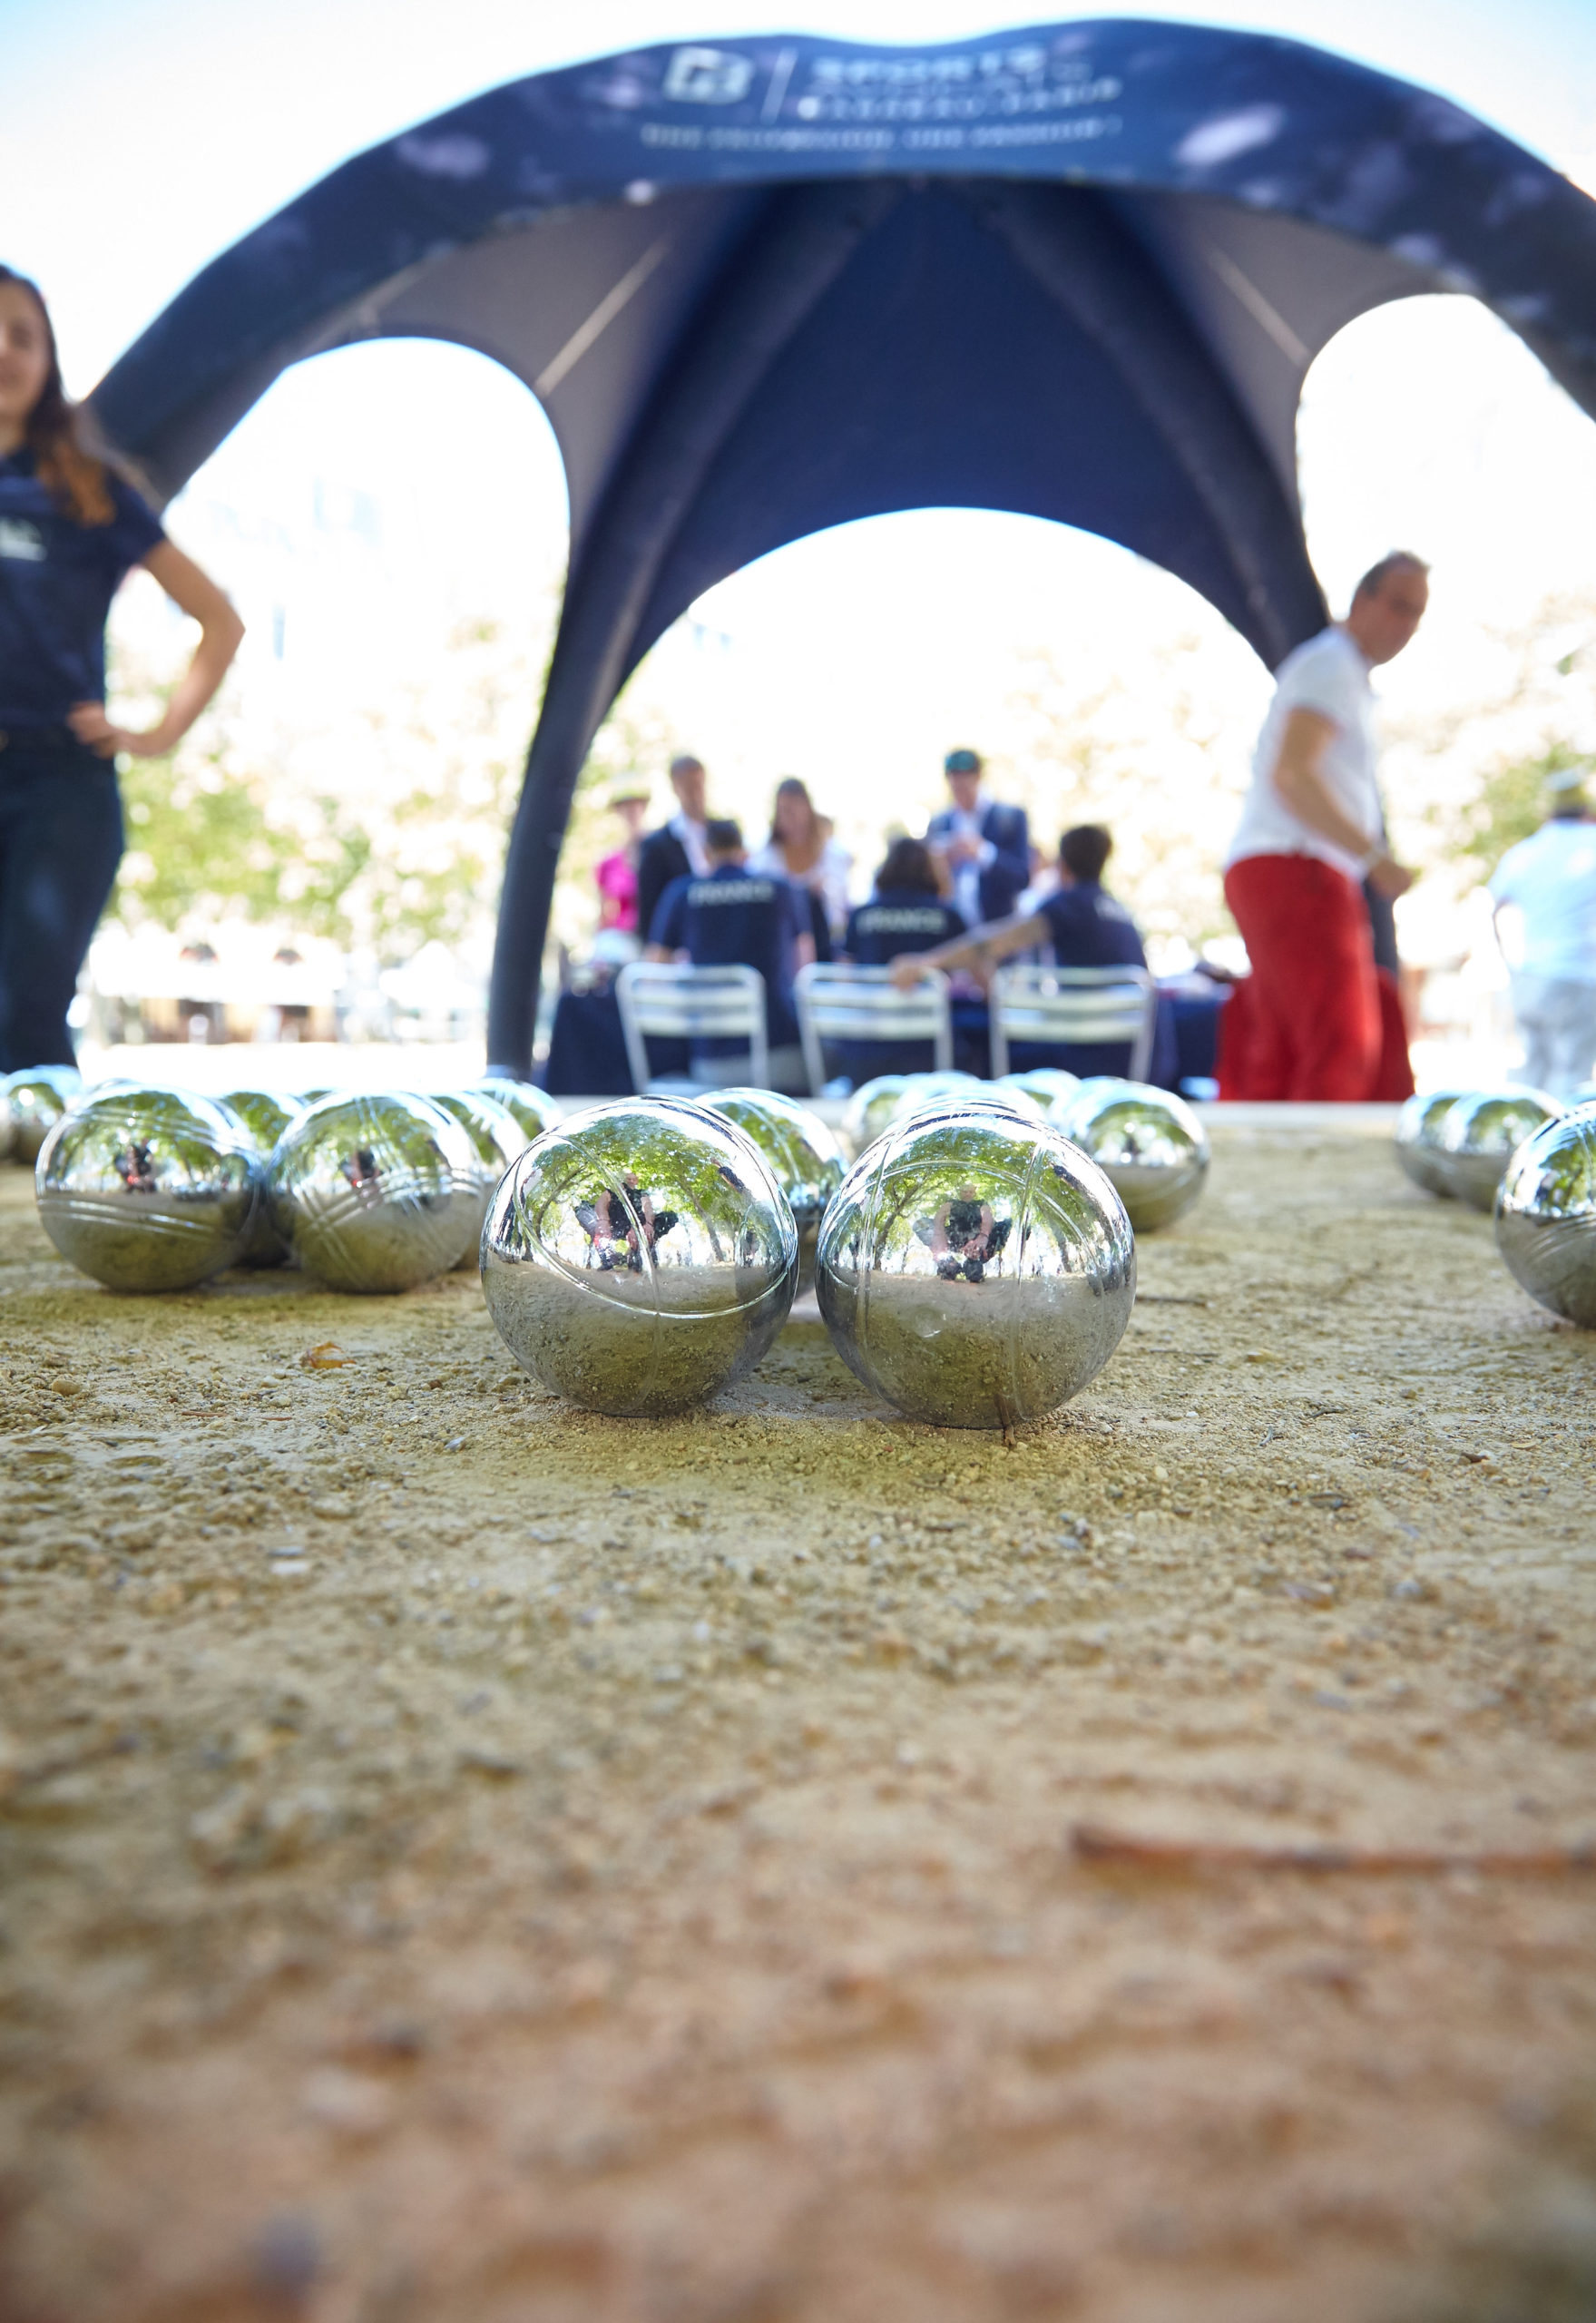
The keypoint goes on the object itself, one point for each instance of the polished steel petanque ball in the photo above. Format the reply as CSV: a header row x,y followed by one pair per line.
x,y
1049,1086
1546,1215
975,1267
1481,1134
31,1103
1418,1136
870,1109
533,1107
498,1138
148,1189
923,1089
1147,1141
265,1116
264,1113
805,1157
376,1192
640,1257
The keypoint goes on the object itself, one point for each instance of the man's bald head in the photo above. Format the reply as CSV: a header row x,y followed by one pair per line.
x,y
1387,605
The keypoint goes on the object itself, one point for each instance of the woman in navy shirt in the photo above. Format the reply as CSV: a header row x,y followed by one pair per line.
x,y
71,529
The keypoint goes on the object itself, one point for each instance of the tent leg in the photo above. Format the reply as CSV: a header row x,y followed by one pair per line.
x,y
801,244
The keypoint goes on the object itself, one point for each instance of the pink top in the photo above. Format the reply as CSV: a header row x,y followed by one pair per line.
x,y
616,879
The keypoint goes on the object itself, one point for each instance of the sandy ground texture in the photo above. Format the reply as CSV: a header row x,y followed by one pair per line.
x,y
463,1861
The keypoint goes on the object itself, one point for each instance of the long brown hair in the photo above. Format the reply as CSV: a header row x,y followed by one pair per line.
x,y
814,840
75,477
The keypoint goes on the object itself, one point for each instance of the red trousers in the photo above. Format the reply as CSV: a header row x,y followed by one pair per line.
x,y
1310,1027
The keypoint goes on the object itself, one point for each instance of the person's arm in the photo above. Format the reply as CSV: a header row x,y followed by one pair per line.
x,y
1011,850
221,635
982,950
665,930
1299,784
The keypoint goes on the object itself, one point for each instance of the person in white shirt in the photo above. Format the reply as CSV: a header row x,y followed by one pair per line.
x,y
1311,832
1549,880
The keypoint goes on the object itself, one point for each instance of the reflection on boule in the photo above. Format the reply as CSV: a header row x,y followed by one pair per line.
x,y
975,1267
146,1189
921,1090
870,1109
498,1137
265,1115
1418,1134
31,1103
533,1107
1147,1141
1049,1085
640,1257
1479,1134
804,1156
1546,1215
376,1192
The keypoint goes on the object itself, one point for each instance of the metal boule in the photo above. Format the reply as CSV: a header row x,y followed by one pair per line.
x,y
376,1192
533,1107
1546,1215
31,1103
869,1109
1147,1141
640,1257
921,1090
148,1189
975,1267
1417,1138
1480,1134
804,1156
498,1137
265,1115
1050,1086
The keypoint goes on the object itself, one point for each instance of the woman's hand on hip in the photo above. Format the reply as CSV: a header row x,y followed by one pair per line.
x,y
91,725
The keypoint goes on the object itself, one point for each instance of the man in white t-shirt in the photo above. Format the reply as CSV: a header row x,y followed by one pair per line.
x,y
1550,880
1312,830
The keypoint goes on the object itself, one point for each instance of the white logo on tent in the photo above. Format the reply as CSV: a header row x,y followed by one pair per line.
x,y
708,76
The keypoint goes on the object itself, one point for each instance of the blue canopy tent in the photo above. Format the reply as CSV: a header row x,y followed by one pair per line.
x,y
762,287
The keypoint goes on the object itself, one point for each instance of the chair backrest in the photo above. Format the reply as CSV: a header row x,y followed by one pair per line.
x,y
685,1004
839,1002
1076,1007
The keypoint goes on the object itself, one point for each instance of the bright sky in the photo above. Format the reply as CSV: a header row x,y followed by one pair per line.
x,y
141,136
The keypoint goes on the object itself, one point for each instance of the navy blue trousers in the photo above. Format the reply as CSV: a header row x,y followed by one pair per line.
x,y
59,844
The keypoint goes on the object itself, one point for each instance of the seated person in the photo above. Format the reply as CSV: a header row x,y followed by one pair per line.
x,y
1084,926
735,918
906,914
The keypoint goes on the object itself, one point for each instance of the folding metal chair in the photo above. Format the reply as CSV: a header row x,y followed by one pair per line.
x,y
842,1003
1078,1006
658,998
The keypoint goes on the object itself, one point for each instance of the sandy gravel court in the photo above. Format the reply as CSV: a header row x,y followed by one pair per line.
x,y
463,1861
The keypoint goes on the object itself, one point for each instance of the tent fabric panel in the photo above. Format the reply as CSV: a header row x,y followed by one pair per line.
x,y
797,248
936,370
1266,295
585,307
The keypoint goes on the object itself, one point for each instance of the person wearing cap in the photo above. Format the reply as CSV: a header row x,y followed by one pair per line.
x,y
734,917
985,847
616,877
1310,834
1550,880
676,850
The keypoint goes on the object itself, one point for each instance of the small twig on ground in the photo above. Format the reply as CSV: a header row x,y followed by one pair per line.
x,y
1096,1843
1166,1298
